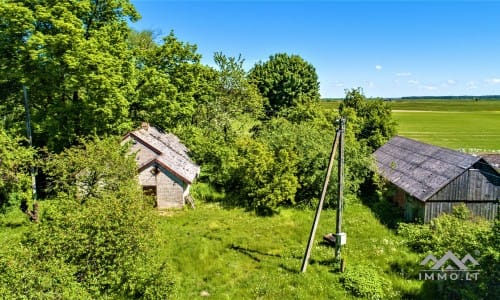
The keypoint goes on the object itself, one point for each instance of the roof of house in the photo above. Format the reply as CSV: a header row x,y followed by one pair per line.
x,y
418,168
171,154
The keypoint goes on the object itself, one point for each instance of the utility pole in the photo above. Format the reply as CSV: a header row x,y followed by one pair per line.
x,y
320,204
30,139
340,237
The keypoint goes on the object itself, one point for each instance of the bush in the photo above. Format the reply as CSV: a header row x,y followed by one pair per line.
x,y
365,281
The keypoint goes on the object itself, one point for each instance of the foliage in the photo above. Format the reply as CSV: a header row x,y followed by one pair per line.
x,y
168,76
102,230
15,181
265,177
459,232
365,281
463,234
374,117
74,58
285,81
89,169
311,144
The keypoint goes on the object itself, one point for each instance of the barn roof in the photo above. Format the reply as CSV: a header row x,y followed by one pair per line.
x,y
171,154
418,168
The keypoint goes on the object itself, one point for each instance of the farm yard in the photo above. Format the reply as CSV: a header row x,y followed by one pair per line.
x,y
133,168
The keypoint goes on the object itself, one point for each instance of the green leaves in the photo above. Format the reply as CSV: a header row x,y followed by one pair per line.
x,y
285,81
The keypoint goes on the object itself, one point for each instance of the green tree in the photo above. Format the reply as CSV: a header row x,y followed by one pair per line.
x,y
99,227
168,77
286,81
374,124
266,178
74,58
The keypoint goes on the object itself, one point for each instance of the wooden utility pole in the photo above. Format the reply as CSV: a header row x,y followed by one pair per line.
x,y
339,235
307,255
30,139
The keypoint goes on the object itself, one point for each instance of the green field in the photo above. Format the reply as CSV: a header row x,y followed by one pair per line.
x,y
473,126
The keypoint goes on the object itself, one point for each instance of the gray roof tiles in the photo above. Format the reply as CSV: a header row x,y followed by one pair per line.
x,y
418,168
170,152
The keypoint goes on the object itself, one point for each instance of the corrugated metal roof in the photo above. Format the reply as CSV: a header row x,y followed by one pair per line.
x,y
418,168
171,153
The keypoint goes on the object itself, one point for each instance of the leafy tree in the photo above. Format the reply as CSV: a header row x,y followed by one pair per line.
x,y
167,80
74,58
267,178
286,81
227,108
374,121
99,227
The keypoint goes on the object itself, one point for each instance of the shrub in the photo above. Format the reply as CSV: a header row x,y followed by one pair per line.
x,y
365,281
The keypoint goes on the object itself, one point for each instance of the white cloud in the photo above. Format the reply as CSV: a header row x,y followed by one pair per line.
x,y
471,85
451,82
339,84
412,81
403,74
429,87
378,67
493,80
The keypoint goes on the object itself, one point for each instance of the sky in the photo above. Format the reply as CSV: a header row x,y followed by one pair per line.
x,y
388,48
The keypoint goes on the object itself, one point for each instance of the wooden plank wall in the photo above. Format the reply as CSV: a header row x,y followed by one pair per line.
x,y
487,210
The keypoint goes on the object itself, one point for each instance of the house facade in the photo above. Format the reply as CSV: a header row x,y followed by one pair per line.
x,y
165,169
431,180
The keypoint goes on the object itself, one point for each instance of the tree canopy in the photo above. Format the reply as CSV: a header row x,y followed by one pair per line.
x,y
285,81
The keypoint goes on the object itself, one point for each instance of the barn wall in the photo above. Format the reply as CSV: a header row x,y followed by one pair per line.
x,y
169,191
472,185
147,177
487,210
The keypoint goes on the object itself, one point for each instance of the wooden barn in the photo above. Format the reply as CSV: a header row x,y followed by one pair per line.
x,y
165,169
431,180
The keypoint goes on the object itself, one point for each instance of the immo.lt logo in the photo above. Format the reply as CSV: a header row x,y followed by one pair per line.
x,y
449,267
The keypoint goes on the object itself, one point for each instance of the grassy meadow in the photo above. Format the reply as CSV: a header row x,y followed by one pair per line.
x,y
473,126
233,254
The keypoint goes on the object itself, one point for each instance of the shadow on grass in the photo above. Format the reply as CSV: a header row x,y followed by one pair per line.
x,y
251,252
387,212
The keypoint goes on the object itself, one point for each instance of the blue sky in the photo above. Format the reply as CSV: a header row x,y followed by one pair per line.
x,y
389,48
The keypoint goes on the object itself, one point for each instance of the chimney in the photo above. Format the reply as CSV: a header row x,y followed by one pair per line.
x,y
145,125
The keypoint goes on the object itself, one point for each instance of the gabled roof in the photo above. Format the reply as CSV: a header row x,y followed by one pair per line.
x,y
171,154
418,168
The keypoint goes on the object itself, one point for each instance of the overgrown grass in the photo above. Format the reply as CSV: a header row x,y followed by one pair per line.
x,y
233,254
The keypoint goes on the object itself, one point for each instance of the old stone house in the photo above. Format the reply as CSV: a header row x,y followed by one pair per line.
x,y
164,167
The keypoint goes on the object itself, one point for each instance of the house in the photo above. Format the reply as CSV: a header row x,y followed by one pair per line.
x,y
431,180
164,167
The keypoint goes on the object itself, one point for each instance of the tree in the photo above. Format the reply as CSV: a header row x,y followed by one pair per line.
x,y
74,58
168,76
99,227
374,122
285,81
